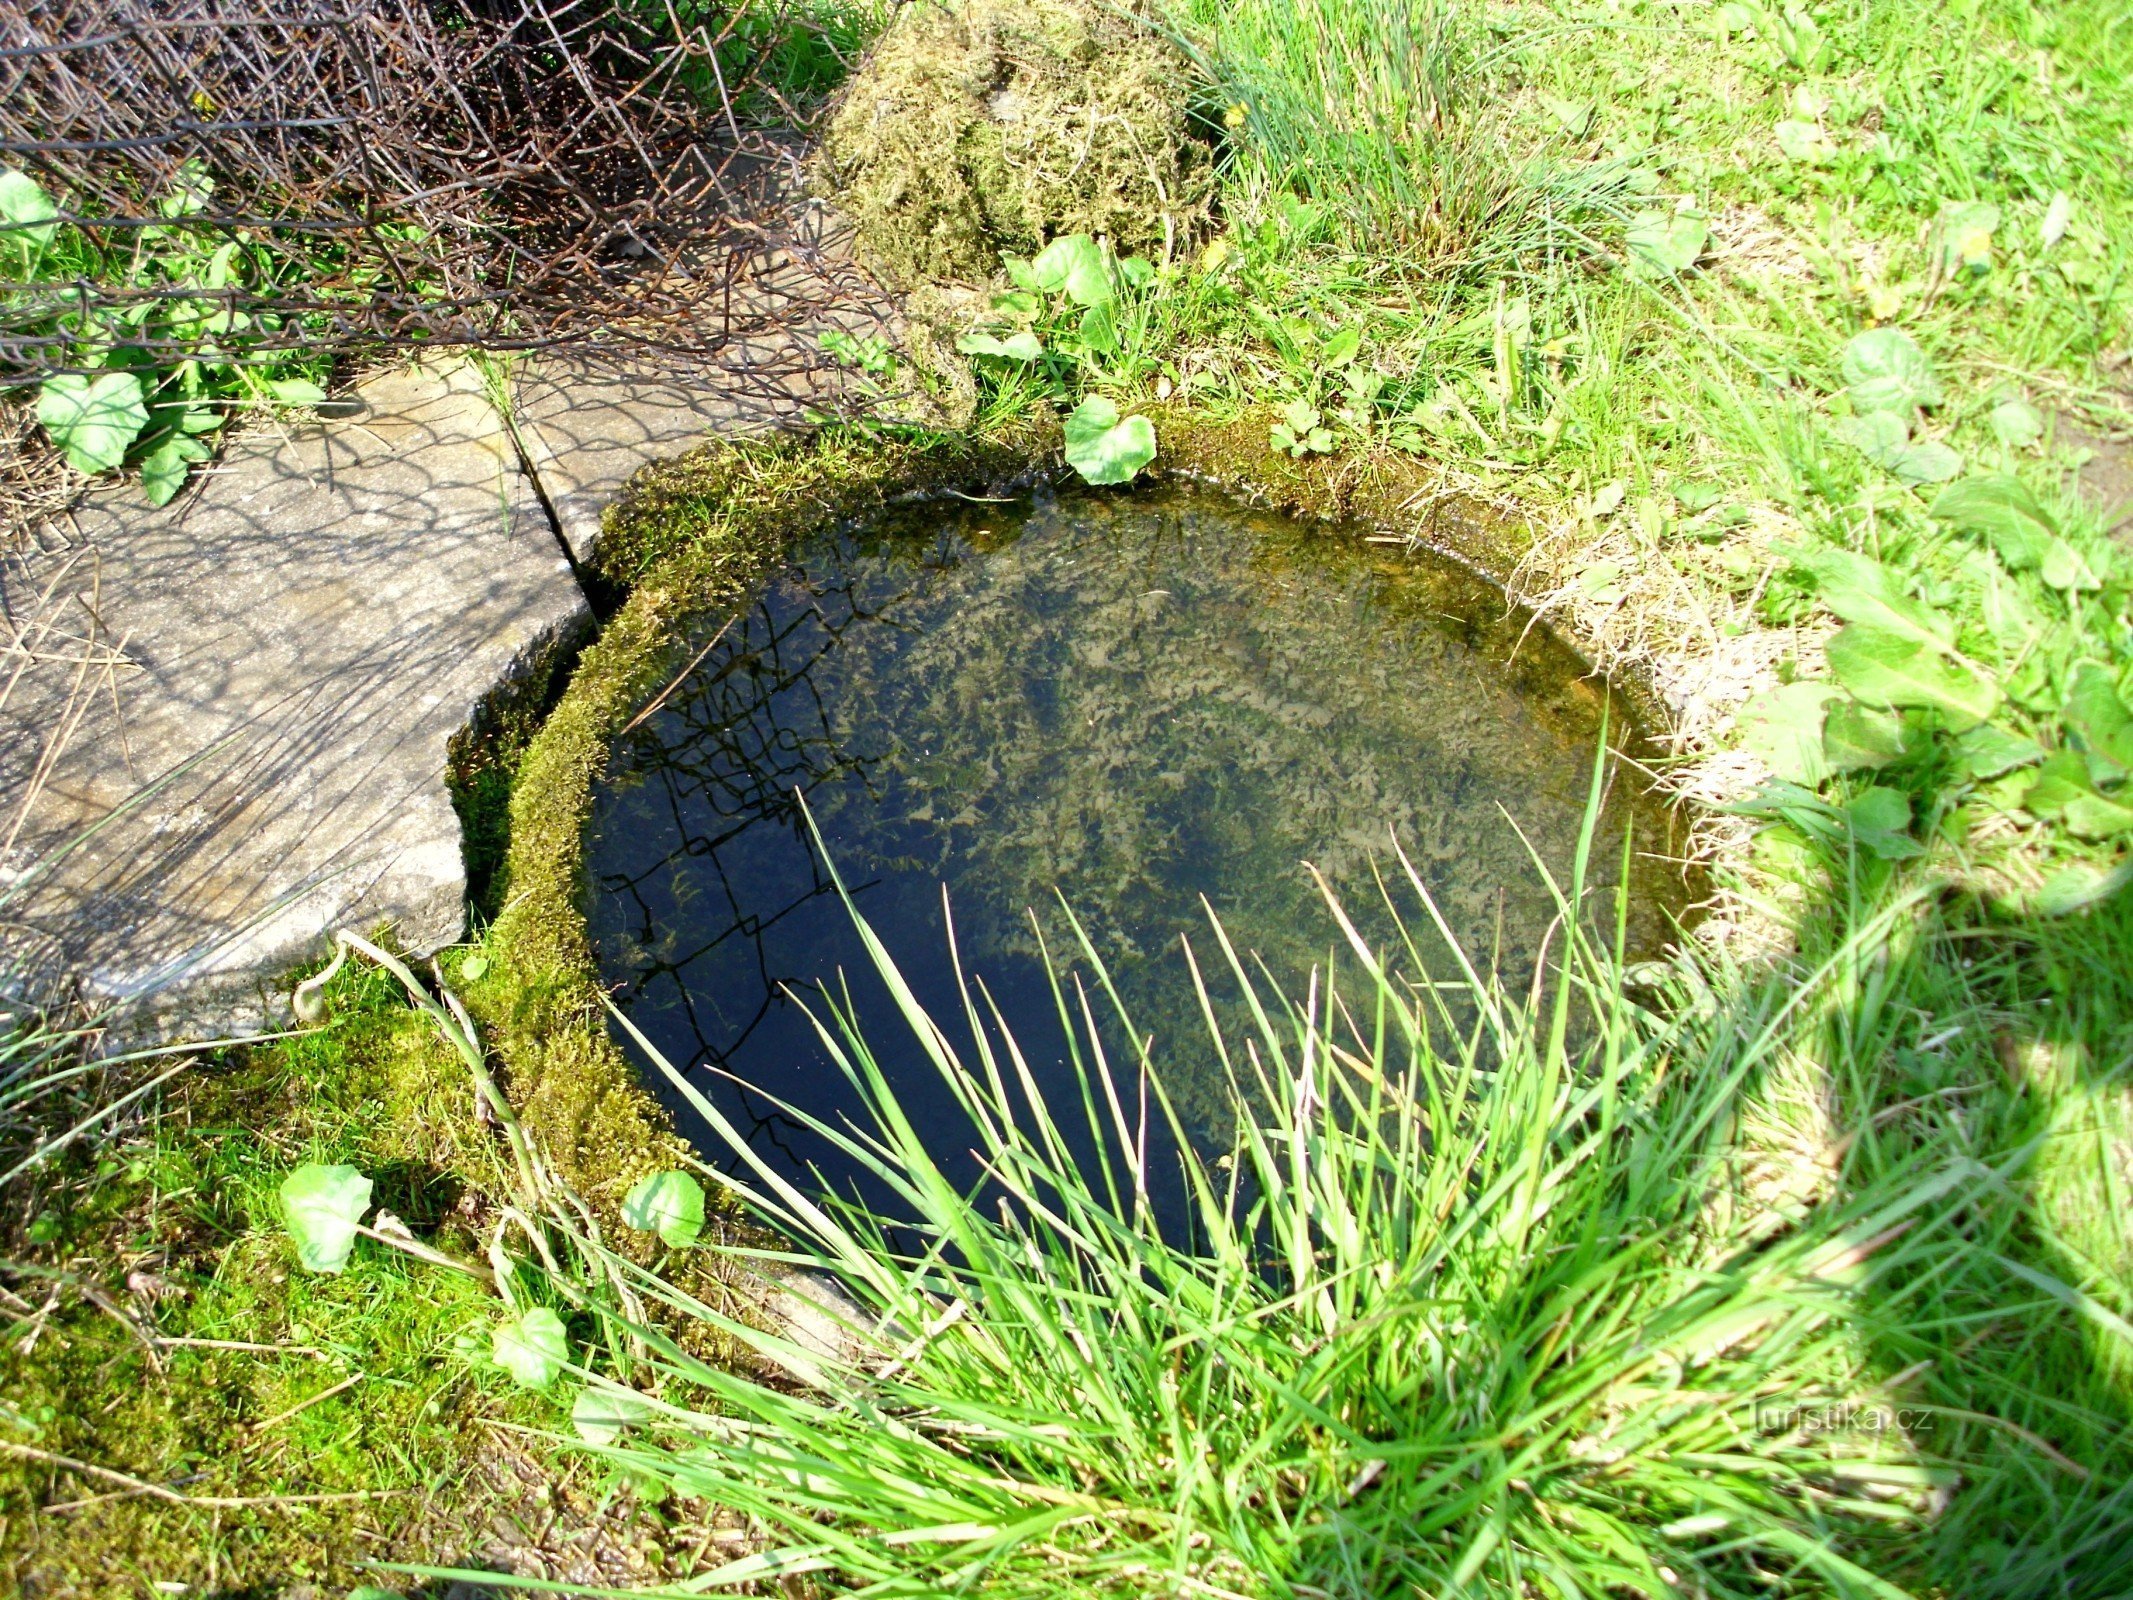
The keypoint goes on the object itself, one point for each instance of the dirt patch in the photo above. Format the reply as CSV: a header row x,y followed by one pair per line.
x,y
988,127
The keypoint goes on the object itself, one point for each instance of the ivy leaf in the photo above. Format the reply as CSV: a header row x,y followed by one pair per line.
x,y
532,1346
1860,589
601,1415
1927,463
1076,265
296,392
1987,751
321,1207
670,1204
93,418
1897,671
1881,436
1103,446
1858,738
164,469
1880,820
1884,370
1015,347
2099,717
30,217
2017,424
1783,726
1668,243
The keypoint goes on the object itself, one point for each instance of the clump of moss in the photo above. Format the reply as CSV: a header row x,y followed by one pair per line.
x,y
985,128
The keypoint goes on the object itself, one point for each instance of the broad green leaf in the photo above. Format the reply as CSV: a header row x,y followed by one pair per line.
x,y
1138,271
1988,751
1880,819
1300,415
1884,370
474,968
1927,463
1858,738
2097,816
2064,567
321,1207
1076,265
1897,671
670,1204
94,418
2099,717
1103,446
1881,436
532,1346
1341,346
601,1415
370,1591
2064,777
29,214
163,469
1999,507
1783,726
1668,243
296,392
1805,142
2017,424
1099,330
1015,347
189,191
1860,589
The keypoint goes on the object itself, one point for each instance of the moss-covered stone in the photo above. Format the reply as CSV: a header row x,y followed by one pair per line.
x,y
983,128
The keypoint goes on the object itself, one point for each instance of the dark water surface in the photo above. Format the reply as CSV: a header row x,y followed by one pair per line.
x,y
1142,702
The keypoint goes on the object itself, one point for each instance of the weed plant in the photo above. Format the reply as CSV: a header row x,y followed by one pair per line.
x,y
1581,1297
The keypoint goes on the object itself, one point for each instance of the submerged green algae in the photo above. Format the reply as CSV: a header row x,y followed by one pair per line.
x,y
1148,708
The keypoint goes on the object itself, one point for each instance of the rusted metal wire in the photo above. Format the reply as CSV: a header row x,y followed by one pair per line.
x,y
504,173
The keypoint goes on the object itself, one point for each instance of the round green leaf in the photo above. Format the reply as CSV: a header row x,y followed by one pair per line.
x,y
1668,243
600,1415
94,418
532,1346
1884,370
2017,424
1104,447
670,1204
28,211
1783,726
1075,264
321,1206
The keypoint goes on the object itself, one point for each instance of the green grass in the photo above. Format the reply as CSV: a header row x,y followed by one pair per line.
x,y
170,1231
1487,1262
1546,1305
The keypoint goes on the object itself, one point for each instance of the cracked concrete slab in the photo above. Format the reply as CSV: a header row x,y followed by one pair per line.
x,y
257,754
224,724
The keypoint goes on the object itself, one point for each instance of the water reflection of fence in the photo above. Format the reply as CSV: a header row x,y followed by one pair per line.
x,y
508,173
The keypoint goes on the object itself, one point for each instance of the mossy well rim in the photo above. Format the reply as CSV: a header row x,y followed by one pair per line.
x,y
702,532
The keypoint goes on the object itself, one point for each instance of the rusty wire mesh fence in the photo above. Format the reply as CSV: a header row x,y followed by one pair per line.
x,y
268,182
444,170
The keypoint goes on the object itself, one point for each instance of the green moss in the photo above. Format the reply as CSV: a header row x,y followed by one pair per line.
x,y
988,127
174,1227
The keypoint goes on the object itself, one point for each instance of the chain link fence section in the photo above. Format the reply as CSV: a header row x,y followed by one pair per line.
x,y
457,172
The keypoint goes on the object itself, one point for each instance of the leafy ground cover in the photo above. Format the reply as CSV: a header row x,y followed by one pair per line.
x,y
1790,329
